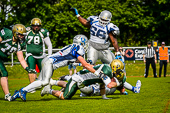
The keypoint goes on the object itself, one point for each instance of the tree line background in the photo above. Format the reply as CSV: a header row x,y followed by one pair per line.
x,y
139,21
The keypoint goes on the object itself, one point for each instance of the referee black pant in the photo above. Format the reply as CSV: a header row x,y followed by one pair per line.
x,y
162,62
148,62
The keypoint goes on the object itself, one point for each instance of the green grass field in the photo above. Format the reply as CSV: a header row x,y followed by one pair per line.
x,y
154,96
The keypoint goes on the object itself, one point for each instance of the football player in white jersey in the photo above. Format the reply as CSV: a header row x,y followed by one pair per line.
x,y
101,33
71,53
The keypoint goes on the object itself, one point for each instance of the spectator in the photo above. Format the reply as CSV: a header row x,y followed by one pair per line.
x,y
70,66
164,58
149,57
121,51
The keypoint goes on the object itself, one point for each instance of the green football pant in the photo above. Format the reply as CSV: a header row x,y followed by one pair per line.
x,y
71,88
3,71
31,61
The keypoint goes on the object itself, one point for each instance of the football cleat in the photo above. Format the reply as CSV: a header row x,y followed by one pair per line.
x,y
15,95
22,94
137,87
46,90
8,97
125,93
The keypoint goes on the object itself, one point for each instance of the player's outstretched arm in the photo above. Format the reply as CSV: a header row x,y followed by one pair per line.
x,y
114,42
24,63
81,19
86,65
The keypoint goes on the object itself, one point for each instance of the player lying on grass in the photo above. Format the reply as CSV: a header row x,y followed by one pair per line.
x,y
86,78
126,84
115,64
94,90
71,53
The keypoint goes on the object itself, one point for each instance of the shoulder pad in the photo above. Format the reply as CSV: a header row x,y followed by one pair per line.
x,y
107,70
80,50
113,28
92,18
44,32
28,28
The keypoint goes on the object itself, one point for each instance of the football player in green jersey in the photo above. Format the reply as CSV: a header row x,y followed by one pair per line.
x,y
11,41
36,40
86,78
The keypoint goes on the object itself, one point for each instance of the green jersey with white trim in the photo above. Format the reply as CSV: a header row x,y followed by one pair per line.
x,y
7,46
34,42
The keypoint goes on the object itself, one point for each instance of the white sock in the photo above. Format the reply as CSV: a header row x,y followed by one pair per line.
x,y
53,82
128,86
68,77
33,86
51,90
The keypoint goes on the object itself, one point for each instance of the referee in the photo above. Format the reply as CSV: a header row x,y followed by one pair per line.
x,y
149,57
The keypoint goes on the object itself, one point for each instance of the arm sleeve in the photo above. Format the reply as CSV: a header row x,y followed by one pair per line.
x,y
49,45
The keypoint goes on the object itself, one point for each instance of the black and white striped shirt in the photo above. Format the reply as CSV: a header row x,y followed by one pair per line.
x,y
149,52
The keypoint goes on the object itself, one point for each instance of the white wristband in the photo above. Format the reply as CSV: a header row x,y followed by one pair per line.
x,y
77,15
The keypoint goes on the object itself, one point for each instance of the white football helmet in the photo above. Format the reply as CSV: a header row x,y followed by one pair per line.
x,y
105,17
82,40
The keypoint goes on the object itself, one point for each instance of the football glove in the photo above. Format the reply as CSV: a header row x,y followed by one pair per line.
x,y
75,11
31,70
